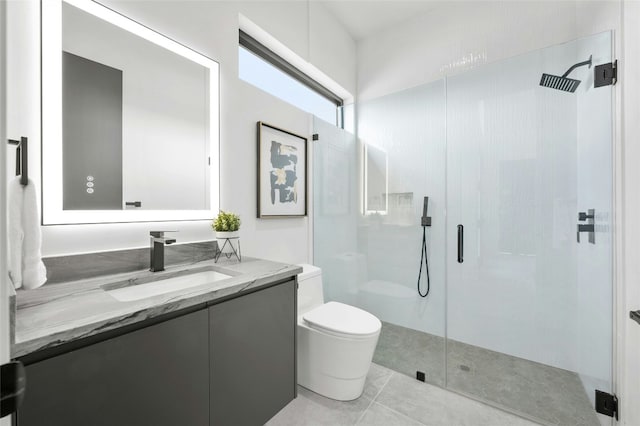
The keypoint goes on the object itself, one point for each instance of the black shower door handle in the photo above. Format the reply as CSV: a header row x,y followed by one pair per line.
x,y
460,243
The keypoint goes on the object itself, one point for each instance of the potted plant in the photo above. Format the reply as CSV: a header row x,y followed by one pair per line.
x,y
226,226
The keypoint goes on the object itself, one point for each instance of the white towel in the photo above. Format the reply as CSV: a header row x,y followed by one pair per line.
x,y
15,196
26,267
34,273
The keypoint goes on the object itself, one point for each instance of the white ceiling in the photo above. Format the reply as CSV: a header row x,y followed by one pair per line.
x,y
362,18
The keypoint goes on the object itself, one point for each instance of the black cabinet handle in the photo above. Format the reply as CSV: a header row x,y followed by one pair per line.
x,y
460,243
12,387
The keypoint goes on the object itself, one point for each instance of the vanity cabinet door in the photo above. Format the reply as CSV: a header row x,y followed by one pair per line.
x,y
253,357
153,376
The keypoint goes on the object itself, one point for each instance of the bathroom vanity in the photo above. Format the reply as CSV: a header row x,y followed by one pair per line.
x,y
212,354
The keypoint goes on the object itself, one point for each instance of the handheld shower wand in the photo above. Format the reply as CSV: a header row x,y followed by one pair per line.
x,y
426,221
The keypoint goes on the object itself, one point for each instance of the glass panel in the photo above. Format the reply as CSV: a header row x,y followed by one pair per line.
x,y
335,210
404,135
529,310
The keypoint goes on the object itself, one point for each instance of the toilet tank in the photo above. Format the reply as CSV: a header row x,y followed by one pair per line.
x,y
310,294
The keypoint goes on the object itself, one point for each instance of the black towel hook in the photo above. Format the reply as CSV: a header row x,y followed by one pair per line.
x,y
22,159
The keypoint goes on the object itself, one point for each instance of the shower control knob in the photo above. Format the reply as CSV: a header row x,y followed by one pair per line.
x,y
589,228
582,216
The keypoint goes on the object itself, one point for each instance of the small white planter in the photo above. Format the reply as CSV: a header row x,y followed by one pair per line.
x,y
227,241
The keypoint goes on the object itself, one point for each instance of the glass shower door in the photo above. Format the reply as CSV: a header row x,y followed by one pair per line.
x,y
529,308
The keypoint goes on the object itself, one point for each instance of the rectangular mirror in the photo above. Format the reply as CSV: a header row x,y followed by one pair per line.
x,y
376,180
130,120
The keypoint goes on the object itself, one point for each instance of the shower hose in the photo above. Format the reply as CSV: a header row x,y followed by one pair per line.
x,y
423,257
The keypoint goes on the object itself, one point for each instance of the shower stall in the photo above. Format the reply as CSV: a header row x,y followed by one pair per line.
x,y
520,184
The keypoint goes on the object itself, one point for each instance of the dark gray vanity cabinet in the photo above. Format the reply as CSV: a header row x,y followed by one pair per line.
x,y
156,375
232,362
252,340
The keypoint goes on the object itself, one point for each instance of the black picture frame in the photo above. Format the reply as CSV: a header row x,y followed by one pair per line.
x,y
282,173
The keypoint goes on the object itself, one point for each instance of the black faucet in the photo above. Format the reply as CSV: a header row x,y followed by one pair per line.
x,y
156,250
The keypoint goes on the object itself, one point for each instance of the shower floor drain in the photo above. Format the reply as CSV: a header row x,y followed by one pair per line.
x,y
464,368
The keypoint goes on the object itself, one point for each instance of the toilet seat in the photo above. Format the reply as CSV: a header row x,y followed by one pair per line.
x,y
342,320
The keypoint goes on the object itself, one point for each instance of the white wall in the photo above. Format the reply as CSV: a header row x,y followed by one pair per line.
x,y
460,35
211,28
629,292
330,47
4,277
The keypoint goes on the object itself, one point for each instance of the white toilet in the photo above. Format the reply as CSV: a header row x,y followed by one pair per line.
x,y
335,341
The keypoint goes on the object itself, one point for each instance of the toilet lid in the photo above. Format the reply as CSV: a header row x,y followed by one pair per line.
x,y
344,319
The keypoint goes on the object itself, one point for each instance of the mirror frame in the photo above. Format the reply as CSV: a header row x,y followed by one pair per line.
x,y
51,45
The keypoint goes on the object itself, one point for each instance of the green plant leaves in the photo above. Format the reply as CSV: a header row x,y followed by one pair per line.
x,y
226,222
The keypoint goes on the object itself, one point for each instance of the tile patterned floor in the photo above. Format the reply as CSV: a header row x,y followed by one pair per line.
x,y
553,395
393,399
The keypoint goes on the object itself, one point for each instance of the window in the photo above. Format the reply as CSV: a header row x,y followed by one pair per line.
x,y
264,69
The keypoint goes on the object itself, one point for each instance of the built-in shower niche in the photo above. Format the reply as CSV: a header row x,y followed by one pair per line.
x,y
520,315
401,208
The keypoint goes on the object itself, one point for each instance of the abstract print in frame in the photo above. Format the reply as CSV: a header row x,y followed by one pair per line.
x,y
282,172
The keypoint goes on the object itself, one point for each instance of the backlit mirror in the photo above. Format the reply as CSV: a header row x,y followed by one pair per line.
x,y
130,120
375,180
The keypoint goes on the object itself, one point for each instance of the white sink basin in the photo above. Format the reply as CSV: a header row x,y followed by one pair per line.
x,y
167,285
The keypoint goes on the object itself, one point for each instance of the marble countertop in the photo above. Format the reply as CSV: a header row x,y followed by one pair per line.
x,y
59,313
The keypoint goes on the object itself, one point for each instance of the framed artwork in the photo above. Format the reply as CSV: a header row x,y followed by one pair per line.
x,y
282,173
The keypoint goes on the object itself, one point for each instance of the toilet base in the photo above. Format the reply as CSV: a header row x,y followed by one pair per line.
x,y
338,389
333,366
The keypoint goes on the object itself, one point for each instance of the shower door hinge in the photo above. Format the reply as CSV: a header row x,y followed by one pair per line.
x,y
606,404
605,74
315,137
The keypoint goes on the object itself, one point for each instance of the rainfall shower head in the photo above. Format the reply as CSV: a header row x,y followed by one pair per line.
x,y
563,83
560,83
